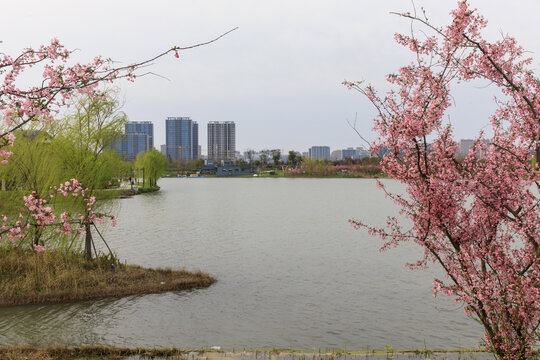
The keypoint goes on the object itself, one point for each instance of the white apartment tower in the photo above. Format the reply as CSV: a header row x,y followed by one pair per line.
x,y
221,140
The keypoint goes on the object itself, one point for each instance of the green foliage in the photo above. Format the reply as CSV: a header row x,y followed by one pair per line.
x,y
33,165
320,167
263,159
294,160
153,163
46,155
84,142
371,161
239,162
195,165
276,157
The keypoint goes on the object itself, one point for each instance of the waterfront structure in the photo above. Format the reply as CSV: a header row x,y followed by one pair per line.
x,y
138,137
221,140
225,168
182,139
319,152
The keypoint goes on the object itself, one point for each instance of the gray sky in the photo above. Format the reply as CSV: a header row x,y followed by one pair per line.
x,y
278,76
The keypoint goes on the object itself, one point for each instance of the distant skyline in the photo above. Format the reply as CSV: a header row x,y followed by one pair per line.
x,y
278,77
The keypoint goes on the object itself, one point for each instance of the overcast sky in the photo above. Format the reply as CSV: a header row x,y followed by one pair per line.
x,y
278,76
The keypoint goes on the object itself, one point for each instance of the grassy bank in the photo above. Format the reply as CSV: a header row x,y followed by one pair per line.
x,y
110,353
28,277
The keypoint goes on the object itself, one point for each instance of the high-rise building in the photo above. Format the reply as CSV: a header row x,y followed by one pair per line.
x,y
221,140
319,152
138,137
362,153
465,146
336,155
182,139
349,153
142,127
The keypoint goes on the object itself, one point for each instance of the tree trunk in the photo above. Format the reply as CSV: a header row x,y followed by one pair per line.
x,y
88,242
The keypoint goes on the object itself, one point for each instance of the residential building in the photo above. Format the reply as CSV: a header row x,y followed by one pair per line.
x,y
349,153
142,127
138,137
464,147
362,153
221,140
182,139
336,155
319,152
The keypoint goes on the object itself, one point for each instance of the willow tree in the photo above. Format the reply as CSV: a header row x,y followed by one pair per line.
x,y
153,163
85,139
84,145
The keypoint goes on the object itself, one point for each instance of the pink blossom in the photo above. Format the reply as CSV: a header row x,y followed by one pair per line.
x,y
39,248
475,217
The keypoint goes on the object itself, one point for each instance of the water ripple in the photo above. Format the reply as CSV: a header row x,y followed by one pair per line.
x,y
291,271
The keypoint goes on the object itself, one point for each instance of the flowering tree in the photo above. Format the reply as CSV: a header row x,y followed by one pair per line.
x,y
478,218
38,214
59,83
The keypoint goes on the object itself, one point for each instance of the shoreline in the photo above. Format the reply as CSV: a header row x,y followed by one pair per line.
x,y
104,352
378,176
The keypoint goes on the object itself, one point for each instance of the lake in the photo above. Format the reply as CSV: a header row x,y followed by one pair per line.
x,y
292,273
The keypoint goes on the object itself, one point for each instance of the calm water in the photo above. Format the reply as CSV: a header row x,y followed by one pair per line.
x,y
291,273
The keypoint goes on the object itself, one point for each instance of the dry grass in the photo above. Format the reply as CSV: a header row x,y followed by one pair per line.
x,y
112,353
86,352
27,277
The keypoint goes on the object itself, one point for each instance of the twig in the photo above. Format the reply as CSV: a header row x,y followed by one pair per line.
x,y
357,132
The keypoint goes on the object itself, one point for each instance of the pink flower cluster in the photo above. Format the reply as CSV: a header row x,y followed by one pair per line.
x,y
38,214
478,218
60,81
298,171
